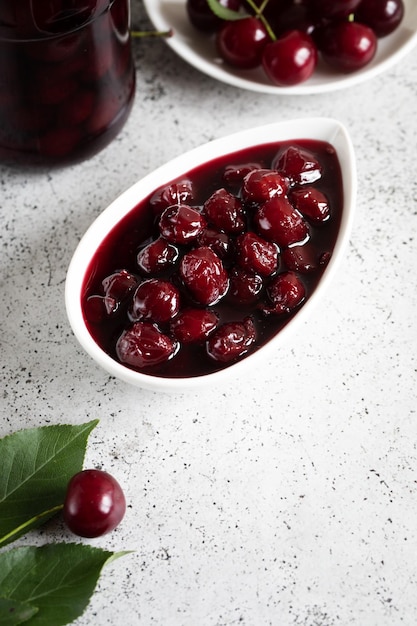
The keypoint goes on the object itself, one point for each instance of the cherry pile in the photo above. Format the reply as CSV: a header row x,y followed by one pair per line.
x,y
213,264
67,78
288,37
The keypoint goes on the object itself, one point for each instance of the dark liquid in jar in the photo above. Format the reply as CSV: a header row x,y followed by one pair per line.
x,y
67,79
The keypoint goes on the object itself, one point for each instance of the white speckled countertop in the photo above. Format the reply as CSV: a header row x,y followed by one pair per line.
x,y
289,499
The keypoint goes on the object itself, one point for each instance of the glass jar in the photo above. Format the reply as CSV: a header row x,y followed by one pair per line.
x,y
67,78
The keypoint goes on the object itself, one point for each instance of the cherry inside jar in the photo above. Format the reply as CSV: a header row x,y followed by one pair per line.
x,y
67,78
213,264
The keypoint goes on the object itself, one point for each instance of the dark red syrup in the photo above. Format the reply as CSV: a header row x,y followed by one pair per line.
x,y
259,300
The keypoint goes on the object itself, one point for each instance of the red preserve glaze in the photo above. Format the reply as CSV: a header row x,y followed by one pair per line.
x,y
225,268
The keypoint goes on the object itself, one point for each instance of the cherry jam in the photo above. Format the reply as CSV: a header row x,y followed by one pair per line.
x,y
67,78
212,265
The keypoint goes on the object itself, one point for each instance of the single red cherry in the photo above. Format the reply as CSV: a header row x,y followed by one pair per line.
x,y
278,221
240,43
286,292
192,325
347,46
218,241
94,503
311,202
383,16
181,223
225,211
204,276
156,256
291,59
298,164
178,192
254,254
231,340
116,289
119,284
245,286
143,345
261,184
155,300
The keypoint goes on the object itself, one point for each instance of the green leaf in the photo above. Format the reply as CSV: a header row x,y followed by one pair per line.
x,y
13,612
35,467
223,12
58,579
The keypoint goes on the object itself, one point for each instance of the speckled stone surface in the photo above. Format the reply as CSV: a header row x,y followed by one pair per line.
x,y
289,499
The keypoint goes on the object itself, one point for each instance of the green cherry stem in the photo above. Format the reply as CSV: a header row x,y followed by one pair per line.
x,y
29,524
259,13
151,33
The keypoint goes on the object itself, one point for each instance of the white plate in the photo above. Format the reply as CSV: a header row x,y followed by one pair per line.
x,y
199,51
323,129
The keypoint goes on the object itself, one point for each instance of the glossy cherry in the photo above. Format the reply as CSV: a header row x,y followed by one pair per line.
x,y
155,300
286,292
261,184
119,284
311,202
178,192
225,212
298,164
181,223
245,286
240,43
217,240
204,276
192,325
231,340
143,345
278,221
383,16
94,503
156,256
291,59
254,254
347,46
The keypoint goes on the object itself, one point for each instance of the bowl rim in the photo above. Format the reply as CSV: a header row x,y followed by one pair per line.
x,y
315,128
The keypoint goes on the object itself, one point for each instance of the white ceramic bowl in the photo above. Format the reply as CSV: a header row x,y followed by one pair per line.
x,y
322,129
199,51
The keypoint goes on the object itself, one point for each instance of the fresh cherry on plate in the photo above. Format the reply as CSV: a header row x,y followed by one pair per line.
x,y
240,43
383,16
291,59
347,46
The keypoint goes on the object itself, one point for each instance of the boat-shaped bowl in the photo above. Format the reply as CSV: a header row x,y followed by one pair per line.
x,y
320,129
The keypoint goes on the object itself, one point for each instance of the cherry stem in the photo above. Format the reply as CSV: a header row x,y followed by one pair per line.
x,y
259,13
152,33
19,530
